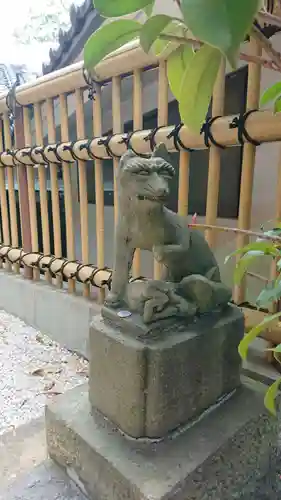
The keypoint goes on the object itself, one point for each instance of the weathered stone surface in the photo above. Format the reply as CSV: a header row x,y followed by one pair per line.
x,y
221,457
44,482
150,385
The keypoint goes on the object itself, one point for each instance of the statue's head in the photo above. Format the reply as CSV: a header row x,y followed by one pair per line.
x,y
146,179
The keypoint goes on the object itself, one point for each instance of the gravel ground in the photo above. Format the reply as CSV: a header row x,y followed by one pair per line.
x,y
33,369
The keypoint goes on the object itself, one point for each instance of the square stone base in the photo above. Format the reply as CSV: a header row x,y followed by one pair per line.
x,y
150,380
222,456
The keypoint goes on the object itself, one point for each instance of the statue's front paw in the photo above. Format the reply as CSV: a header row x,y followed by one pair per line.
x,y
113,300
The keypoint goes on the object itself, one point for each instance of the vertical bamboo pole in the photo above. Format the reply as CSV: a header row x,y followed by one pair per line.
x,y
54,186
215,159
42,188
68,200
31,192
3,197
11,188
23,191
248,163
183,189
117,128
162,120
274,271
138,125
97,128
82,174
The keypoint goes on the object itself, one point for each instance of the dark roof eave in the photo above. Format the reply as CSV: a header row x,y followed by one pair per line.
x,y
85,20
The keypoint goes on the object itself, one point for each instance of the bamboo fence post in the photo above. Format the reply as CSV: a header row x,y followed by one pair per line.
x,y
54,186
162,120
248,164
3,199
83,191
138,125
10,171
42,188
215,159
68,200
23,191
183,189
117,128
31,192
99,191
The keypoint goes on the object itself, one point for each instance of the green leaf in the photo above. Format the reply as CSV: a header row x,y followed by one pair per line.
x,y
256,248
270,294
177,65
277,105
270,397
108,38
270,94
197,86
254,332
241,268
163,48
148,9
117,8
220,23
152,29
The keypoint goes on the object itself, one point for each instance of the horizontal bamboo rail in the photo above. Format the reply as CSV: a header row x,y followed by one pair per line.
x,y
125,60
262,126
84,273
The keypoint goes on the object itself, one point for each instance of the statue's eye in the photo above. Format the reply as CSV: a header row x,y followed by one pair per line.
x,y
143,172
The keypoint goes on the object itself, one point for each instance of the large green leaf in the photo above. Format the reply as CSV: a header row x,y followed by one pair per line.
x,y
108,38
270,396
152,29
254,332
270,94
177,64
117,8
270,294
220,23
197,86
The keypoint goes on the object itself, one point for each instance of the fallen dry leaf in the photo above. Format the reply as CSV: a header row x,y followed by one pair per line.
x,y
40,372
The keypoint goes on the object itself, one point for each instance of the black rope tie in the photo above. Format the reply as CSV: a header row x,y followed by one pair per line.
x,y
151,137
87,146
126,139
239,122
91,84
54,149
179,145
105,142
70,148
20,161
208,136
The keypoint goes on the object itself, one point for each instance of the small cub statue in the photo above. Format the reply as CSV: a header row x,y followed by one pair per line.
x,y
190,270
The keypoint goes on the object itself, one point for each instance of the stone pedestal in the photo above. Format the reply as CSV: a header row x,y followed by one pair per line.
x,y
151,380
165,416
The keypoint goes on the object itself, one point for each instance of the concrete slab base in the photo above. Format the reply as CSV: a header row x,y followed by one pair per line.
x,y
63,317
222,456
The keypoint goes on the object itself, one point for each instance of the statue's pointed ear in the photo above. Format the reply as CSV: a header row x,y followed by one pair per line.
x,y
161,151
126,157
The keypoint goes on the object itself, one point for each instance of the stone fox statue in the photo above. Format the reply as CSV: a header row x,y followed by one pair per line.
x,y
144,222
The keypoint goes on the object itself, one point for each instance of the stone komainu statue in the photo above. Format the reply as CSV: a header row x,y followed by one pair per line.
x,y
189,266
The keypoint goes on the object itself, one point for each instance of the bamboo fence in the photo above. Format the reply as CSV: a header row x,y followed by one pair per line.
x,y
27,159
